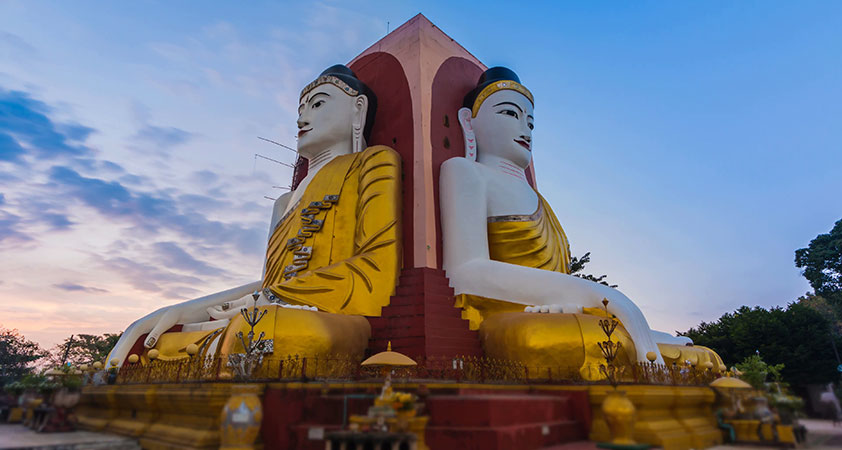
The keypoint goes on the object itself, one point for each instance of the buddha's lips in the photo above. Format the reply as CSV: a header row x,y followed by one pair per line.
x,y
524,144
302,132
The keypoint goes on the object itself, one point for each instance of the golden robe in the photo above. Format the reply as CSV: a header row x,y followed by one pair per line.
x,y
536,240
563,344
338,249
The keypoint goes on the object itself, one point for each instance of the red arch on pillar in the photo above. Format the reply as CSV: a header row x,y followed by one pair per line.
x,y
393,125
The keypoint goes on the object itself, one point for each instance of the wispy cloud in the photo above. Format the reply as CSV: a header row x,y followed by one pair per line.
x,y
74,189
173,256
26,129
155,211
147,277
73,287
162,137
14,47
10,230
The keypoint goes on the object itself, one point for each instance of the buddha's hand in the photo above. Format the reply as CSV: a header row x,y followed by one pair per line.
x,y
163,319
544,309
230,309
152,324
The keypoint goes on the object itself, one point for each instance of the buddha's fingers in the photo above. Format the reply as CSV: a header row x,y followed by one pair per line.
x,y
546,309
124,344
166,322
230,309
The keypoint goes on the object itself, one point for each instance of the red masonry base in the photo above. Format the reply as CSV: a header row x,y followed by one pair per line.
x,y
421,319
296,416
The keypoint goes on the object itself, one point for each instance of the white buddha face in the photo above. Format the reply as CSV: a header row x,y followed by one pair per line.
x,y
327,117
503,127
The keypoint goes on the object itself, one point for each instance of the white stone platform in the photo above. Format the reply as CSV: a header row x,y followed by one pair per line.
x,y
14,436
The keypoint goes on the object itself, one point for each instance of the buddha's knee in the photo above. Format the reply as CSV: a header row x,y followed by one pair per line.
x,y
558,345
300,332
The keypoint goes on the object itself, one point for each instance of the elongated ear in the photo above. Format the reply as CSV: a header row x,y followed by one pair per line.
x,y
360,111
468,133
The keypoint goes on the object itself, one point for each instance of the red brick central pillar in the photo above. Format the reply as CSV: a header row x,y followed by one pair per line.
x,y
420,76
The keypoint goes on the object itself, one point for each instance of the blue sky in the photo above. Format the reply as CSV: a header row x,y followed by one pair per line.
x,y
691,147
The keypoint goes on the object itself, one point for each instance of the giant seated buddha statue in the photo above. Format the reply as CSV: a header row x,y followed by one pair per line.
x,y
507,256
333,254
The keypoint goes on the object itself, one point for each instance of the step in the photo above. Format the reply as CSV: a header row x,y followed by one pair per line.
x,y
423,279
327,409
426,309
422,299
511,437
447,324
416,290
468,339
306,437
497,410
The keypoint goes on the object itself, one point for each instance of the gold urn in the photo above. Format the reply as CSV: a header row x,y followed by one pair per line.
x,y
619,414
241,417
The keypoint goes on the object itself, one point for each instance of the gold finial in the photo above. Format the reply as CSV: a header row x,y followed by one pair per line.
x,y
605,302
152,354
651,356
389,346
133,358
192,349
114,362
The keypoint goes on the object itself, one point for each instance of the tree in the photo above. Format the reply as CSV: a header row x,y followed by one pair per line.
x,y
755,371
83,349
798,337
16,355
577,265
822,263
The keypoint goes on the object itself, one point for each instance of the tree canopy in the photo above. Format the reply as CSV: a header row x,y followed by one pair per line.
x,y
17,355
577,265
797,336
821,262
800,336
83,349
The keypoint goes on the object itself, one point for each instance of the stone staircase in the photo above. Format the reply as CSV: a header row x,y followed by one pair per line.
x,y
421,319
501,422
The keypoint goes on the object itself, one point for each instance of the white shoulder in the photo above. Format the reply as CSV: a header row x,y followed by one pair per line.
x,y
279,209
459,168
283,199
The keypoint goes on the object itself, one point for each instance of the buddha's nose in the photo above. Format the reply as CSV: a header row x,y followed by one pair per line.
x,y
302,123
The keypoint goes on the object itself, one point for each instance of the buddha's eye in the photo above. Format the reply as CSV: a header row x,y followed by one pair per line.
x,y
531,126
509,112
318,103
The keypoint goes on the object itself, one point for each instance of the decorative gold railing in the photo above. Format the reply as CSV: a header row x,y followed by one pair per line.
x,y
444,369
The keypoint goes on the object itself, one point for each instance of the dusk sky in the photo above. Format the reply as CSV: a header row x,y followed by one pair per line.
x,y
690,147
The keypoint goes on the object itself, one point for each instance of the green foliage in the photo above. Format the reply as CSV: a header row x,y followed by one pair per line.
x,y
17,355
577,265
84,349
32,383
798,337
822,263
755,370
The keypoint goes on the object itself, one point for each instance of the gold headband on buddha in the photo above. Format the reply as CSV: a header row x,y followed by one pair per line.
x,y
329,79
500,86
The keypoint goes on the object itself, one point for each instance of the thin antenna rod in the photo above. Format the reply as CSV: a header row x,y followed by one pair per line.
x,y
256,155
279,144
269,198
387,27
282,187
